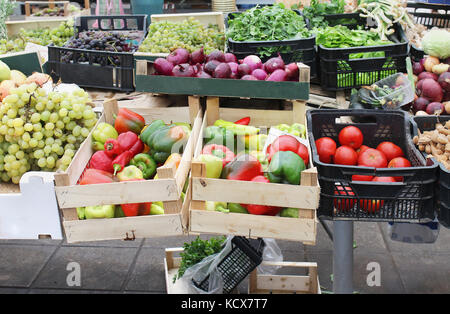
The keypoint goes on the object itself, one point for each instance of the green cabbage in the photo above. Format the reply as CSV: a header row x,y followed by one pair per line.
x,y
436,43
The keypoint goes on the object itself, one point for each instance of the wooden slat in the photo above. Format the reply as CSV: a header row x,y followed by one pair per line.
x,y
285,195
122,228
283,228
117,193
283,283
258,118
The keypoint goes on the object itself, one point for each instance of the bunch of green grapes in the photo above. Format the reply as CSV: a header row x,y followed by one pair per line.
x,y
57,36
41,131
166,36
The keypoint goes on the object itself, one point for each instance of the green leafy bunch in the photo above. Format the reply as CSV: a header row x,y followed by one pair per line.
x,y
315,12
196,251
340,36
265,24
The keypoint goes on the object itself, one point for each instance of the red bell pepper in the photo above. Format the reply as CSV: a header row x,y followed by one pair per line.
x,y
244,167
261,209
288,143
243,121
136,209
101,161
137,148
128,120
113,148
95,176
220,151
127,140
121,161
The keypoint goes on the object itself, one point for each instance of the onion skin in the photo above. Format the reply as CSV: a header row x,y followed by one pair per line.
x,y
292,71
430,62
435,108
211,66
420,104
183,70
249,77
425,75
178,56
223,71
216,55
431,90
229,57
277,76
444,81
254,62
197,56
274,64
163,67
244,69
260,74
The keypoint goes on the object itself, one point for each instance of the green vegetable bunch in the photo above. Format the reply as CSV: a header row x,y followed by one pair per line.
x,y
265,24
340,36
196,251
314,13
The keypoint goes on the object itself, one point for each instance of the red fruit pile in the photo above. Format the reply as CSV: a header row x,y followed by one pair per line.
x,y
217,64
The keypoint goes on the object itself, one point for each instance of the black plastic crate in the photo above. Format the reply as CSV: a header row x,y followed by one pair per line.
x,y
412,200
245,256
338,71
428,19
95,68
428,123
301,50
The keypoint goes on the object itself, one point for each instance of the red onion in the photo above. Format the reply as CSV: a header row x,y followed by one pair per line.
x,y
229,57
210,66
198,56
431,90
418,68
425,75
274,64
420,104
260,74
163,67
254,62
223,70
234,69
183,70
292,71
178,56
244,69
216,55
277,76
444,81
435,108
202,74
249,78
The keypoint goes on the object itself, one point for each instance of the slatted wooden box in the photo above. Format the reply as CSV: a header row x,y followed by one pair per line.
x,y
167,188
304,196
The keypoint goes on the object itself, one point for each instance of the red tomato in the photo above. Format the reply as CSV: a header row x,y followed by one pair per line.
x,y
383,179
372,158
342,204
399,162
371,206
326,147
351,136
390,150
358,177
345,155
362,149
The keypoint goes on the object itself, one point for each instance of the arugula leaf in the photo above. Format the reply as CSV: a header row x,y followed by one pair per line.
x,y
266,24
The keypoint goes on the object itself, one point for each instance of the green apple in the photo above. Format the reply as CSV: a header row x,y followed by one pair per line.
x,y
101,211
213,165
156,210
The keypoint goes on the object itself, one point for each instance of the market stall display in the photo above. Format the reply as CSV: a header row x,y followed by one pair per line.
x,y
99,185
362,179
93,59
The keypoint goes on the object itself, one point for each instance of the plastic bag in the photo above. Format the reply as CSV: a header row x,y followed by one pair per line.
x,y
414,233
271,253
200,271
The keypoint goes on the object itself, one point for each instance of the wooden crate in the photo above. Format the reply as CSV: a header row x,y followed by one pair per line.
x,y
304,196
205,18
167,188
258,283
13,27
265,284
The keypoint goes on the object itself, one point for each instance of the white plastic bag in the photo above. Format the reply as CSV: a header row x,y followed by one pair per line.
x,y
271,253
414,233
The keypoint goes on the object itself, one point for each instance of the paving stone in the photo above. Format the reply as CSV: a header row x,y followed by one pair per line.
x,y
21,264
101,268
30,242
13,291
109,243
368,236
440,247
148,273
175,241
324,267
424,274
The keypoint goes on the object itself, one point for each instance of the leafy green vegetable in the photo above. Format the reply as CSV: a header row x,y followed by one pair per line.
x,y
265,24
196,251
340,36
314,13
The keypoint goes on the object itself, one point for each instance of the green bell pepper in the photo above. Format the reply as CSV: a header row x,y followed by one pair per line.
x,y
216,206
145,163
285,167
221,136
165,141
155,209
237,208
150,129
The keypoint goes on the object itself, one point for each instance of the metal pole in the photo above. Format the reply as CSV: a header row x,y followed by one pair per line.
x,y
343,257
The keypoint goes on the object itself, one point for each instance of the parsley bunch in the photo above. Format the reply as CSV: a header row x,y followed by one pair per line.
x,y
265,24
196,251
